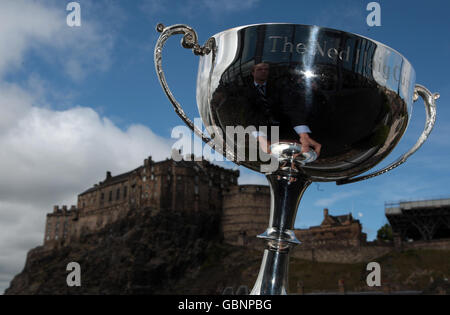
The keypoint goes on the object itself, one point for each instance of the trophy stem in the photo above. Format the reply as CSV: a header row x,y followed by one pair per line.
x,y
286,192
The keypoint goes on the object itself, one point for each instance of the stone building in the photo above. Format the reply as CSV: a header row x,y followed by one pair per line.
x,y
59,224
182,186
188,186
245,213
334,231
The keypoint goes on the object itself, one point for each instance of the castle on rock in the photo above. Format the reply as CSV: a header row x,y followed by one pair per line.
x,y
186,185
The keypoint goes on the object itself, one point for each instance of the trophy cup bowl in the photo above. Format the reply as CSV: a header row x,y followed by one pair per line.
x,y
351,95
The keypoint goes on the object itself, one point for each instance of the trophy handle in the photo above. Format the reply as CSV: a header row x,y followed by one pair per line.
x,y
430,109
190,41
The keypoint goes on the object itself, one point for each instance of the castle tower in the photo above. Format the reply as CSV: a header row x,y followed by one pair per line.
x,y
58,225
246,211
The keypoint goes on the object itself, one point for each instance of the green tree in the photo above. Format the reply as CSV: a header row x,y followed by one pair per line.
x,y
385,233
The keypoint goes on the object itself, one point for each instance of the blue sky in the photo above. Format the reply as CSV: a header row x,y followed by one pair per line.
x,y
76,102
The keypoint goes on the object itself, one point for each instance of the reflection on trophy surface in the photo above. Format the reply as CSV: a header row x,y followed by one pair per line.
x,y
325,105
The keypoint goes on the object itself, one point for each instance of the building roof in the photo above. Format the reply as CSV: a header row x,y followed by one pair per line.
x,y
423,219
338,220
199,165
342,218
398,207
110,180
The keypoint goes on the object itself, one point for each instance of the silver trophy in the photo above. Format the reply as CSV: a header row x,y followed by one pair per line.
x,y
321,105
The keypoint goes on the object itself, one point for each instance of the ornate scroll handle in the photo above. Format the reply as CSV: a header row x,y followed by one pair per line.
x,y
189,41
430,109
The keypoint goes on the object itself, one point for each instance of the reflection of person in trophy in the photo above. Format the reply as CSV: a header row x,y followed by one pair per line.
x,y
281,109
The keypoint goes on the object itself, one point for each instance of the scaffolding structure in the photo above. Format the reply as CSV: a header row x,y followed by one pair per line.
x,y
420,220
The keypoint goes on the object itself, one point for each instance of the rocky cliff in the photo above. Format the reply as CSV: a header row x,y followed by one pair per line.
x,y
147,252
171,252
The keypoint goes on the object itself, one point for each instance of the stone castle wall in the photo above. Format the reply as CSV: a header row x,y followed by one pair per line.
x,y
245,213
343,255
97,220
442,244
366,253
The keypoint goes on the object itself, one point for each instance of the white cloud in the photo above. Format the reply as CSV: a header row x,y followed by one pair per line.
x,y
26,25
13,102
75,142
23,21
327,202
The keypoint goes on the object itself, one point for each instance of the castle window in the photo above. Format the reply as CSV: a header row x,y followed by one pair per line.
x,y
125,192
110,196
152,177
196,189
144,178
196,179
102,197
118,194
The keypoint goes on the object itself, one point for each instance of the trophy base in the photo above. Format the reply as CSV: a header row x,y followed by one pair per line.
x,y
279,236
273,275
